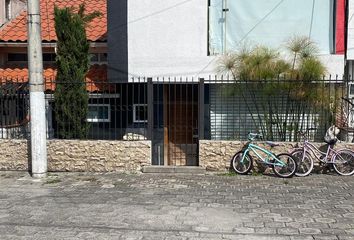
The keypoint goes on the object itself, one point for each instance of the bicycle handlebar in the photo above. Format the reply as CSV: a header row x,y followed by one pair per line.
x,y
305,134
252,136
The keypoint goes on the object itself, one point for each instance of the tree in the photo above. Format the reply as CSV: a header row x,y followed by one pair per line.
x,y
280,106
72,60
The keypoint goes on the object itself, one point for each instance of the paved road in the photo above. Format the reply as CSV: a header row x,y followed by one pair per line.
x,y
120,206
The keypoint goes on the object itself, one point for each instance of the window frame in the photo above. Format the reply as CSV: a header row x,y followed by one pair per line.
x,y
134,113
99,58
8,9
99,120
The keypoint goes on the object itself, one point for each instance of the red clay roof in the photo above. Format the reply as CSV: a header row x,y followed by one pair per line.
x,y
96,78
16,29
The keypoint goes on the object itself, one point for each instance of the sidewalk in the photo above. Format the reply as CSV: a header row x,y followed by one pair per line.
x,y
150,206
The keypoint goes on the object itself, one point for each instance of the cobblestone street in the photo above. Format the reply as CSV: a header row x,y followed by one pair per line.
x,y
121,206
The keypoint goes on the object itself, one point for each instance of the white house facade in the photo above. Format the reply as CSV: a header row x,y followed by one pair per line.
x,y
155,38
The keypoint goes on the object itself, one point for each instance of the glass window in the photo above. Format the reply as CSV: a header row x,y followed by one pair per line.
x,y
94,57
99,113
103,57
140,113
49,57
98,57
8,9
17,57
22,57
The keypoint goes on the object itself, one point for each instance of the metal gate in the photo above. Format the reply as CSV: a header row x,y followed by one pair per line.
x,y
176,122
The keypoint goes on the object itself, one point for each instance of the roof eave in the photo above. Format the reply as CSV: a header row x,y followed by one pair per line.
x,y
47,44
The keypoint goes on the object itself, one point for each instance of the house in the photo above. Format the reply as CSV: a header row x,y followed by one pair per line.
x,y
176,44
158,56
181,38
10,9
13,55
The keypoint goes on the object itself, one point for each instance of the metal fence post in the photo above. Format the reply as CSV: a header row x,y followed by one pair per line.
x,y
201,109
150,103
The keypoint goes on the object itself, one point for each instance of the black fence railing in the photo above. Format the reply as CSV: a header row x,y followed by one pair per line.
x,y
214,108
108,111
277,108
14,108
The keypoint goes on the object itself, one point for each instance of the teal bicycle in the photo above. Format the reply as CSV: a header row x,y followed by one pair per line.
x,y
283,164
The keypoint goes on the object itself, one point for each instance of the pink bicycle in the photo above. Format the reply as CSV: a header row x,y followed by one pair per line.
x,y
342,160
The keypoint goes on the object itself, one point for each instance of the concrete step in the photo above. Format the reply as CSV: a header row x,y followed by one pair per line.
x,y
174,169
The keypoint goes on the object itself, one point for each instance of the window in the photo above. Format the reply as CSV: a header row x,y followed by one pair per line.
x,y
99,113
140,113
49,57
94,57
98,57
22,57
17,57
103,57
8,9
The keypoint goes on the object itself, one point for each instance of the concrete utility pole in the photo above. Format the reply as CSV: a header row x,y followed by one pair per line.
x,y
37,101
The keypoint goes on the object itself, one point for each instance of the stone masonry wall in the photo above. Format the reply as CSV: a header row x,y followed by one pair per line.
x,y
80,156
216,155
13,155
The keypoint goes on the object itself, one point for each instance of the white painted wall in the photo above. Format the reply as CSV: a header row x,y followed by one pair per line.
x,y
16,7
2,12
168,37
350,51
334,64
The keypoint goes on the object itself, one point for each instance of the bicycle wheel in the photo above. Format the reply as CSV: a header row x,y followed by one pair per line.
x,y
289,166
304,163
239,166
343,162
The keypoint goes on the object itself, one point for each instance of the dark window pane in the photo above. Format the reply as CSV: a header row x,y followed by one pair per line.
x,y
103,57
94,57
140,113
98,113
17,57
49,57
7,9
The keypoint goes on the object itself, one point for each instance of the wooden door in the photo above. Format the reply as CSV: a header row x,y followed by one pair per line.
x,y
181,124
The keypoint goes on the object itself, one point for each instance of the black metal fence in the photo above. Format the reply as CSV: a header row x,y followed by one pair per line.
x,y
14,108
213,108
114,111
277,108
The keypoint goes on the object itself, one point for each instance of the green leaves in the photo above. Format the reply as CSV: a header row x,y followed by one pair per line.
x,y
302,46
71,97
280,87
261,62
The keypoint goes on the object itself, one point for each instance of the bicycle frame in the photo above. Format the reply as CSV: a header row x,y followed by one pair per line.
x,y
253,148
312,150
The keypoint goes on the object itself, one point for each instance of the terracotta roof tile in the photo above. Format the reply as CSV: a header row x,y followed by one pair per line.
x,y
16,29
96,77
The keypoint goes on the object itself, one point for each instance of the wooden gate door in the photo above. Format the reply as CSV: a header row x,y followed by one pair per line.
x,y
181,124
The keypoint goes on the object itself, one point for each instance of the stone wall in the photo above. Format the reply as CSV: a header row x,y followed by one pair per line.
x,y
13,155
80,156
216,155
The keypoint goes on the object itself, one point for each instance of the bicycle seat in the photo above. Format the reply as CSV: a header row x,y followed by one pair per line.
x,y
331,142
272,144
